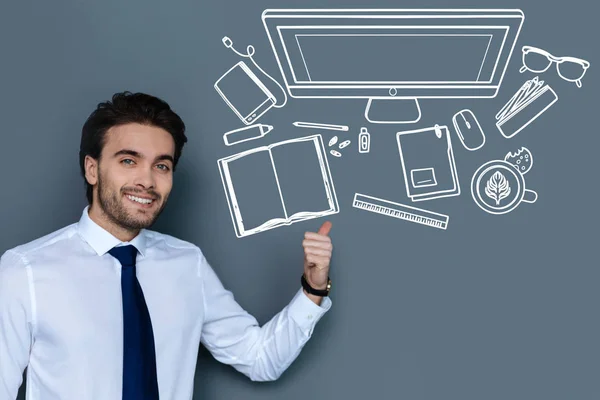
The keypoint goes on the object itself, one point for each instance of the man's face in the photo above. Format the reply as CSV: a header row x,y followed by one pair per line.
x,y
135,175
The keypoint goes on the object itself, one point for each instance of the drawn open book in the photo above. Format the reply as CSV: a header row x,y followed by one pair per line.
x,y
280,184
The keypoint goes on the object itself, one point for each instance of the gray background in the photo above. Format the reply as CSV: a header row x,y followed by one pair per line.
x,y
496,307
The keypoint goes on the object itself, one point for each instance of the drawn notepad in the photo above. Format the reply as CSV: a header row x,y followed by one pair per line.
x,y
280,184
428,163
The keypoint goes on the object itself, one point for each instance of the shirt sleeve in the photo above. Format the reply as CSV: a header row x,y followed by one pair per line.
x,y
234,337
15,323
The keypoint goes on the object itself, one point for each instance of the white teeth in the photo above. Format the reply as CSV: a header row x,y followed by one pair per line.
x,y
139,199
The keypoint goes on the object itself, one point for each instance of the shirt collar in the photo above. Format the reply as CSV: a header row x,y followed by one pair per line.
x,y
101,240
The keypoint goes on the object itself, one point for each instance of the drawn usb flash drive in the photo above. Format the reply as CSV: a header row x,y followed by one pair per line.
x,y
364,141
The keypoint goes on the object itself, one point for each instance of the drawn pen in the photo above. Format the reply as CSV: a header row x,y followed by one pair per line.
x,y
301,124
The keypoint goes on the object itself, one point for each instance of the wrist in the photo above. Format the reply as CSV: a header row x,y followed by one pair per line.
x,y
318,287
320,290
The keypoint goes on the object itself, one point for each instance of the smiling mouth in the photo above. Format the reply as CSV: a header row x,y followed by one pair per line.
x,y
142,201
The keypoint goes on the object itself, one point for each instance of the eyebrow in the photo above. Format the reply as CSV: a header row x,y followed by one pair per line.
x,y
139,155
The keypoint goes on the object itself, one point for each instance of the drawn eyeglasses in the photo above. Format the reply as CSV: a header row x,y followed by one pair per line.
x,y
569,68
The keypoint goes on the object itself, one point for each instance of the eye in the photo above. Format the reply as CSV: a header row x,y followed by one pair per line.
x,y
164,167
127,161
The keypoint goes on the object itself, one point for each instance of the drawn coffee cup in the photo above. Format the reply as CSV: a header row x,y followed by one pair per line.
x,y
498,187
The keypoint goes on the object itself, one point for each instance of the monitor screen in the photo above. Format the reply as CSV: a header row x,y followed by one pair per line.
x,y
393,58
367,53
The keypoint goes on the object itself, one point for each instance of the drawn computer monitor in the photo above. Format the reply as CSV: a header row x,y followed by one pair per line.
x,y
400,55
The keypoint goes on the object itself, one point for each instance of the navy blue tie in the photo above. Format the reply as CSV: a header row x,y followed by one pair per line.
x,y
139,358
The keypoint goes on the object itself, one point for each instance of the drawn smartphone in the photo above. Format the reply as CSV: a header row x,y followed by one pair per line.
x,y
244,93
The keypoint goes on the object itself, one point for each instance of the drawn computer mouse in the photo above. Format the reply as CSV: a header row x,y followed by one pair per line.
x,y
468,130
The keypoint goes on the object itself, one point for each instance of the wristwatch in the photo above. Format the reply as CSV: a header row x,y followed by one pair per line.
x,y
316,292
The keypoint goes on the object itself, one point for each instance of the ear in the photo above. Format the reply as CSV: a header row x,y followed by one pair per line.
x,y
91,170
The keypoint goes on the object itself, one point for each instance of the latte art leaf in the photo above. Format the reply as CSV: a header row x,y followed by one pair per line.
x,y
497,187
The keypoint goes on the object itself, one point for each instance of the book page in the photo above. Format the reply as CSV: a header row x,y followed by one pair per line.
x,y
303,176
252,189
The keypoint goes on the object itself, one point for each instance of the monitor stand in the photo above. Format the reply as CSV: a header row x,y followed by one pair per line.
x,y
393,110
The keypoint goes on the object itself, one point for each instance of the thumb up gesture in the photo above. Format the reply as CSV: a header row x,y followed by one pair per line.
x,y
317,255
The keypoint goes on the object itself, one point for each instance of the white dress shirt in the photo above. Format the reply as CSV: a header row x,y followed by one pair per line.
x,y
61,316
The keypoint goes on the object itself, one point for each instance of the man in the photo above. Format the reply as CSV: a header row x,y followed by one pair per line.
x,y
106,309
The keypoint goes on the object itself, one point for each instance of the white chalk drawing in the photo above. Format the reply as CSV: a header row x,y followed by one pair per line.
x,y
468,129
243,91
532,99
423,177
408,109
344,144
248,105
570,69
317,125
364,140
400,211
246,133
256,181
521,160
428,163
497,187
446,53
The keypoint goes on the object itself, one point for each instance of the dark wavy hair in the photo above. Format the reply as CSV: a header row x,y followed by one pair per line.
x,y
125,108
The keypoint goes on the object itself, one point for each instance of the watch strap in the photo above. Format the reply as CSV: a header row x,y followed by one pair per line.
x,y
316,292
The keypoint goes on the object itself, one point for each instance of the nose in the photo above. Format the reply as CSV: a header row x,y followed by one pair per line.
x,y
145,178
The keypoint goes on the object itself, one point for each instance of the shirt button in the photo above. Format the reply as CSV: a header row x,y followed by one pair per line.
x,y
309,316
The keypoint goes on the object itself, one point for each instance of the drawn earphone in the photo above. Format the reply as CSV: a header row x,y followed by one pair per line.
x,y
249,53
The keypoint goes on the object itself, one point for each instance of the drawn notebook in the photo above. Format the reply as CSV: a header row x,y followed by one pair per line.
x,y
428,163
280,184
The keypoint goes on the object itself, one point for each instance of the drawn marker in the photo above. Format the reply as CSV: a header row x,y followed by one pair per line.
x,y
301,124
246,133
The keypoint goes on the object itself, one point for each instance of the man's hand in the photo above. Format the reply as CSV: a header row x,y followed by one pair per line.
x,y
317,255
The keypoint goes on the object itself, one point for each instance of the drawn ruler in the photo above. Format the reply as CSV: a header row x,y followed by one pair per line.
x,y
400,211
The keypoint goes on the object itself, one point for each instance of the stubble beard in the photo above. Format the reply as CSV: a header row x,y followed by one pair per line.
x,y
111,204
